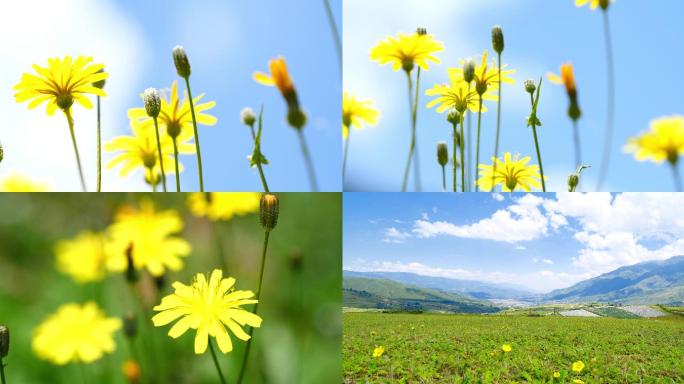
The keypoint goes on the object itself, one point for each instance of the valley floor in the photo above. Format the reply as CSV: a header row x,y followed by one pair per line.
x,y
431,348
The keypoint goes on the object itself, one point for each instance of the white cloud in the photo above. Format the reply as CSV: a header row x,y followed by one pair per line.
x,y
393,235
425,216
498,197
547,261
520,247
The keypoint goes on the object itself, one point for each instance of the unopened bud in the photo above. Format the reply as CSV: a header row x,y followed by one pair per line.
x,y
469,70
180,59
4,341
442,153
454,116
604,4
268,211
530,86
131,371
421,31
573,181
248,117
152,102
131,273
100,83
497,39
130,326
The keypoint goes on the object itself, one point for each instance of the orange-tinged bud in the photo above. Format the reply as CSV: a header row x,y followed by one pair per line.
x,y
568,77
281,76
131,370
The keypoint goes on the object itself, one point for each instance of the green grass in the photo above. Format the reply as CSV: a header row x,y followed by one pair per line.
x,y
431,348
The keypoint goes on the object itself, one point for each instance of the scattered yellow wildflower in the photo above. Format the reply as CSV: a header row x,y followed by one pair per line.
x,y
485,74
577,381
20,183
151,234
457,95
512,173
406,51
556,375
83,257
356,113
209,307
61,83
566,78
577,366
664,141
75,333
378,351
593,4
223,205
506,348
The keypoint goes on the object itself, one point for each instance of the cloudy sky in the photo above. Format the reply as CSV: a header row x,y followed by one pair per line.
x,y
540,241
226,42
540,35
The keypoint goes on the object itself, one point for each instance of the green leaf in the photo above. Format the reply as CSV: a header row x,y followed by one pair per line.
x,y
258,157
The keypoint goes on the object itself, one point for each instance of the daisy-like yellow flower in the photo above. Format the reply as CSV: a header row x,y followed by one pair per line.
x,y
457,95
512,173
406,51
175,115
61,83
566,78
486,74
212,307
279,77
378,351
556,375
578,366
593,4
577,381
78,333
83,257
506,348
357,113
20,183
664,141
223,205
140,151
151,235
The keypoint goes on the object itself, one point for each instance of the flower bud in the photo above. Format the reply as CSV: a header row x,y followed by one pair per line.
x,y
4,341
454,116
268,211
421,31
574,111
573,181
248,117
296,118
131,371
296,259
497,39
604,4
131,273
100,83
469,70
180,59
442,153
130,326
152,102
2,152
530,86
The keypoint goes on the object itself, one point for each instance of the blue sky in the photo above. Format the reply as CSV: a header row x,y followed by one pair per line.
x,y
540,241
540,35
226,43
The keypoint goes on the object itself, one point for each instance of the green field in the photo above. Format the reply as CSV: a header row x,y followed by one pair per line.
x,y
432,348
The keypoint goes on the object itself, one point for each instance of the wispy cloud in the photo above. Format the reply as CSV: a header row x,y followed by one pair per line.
x,y
393,235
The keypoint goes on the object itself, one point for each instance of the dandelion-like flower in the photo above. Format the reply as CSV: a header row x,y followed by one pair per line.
x,y
512,173
17,182
61,83
357,113
406,51
83,257
212,306
578,366
506,348
78,333
456,96
556,375
486,75
279,77
223,205
378,351
151,236
593,4
566,78
663,141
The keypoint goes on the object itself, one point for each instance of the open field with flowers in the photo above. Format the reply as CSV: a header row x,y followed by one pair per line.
x,y
188,288
431,348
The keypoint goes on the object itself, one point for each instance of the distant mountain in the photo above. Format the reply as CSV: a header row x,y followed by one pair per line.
x,y
474,289
653,282
361,292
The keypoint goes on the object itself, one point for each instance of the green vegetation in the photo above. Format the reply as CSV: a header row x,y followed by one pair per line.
x,y
433,348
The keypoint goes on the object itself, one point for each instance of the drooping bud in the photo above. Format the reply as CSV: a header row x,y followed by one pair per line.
x,y
268,211
100,83
4,341
497,39
248,117
180,59
152,102
530,86
296,118
469,70
130,326
442,153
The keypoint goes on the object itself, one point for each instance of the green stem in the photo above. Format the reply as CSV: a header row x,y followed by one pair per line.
x,y
536,145
99,149
443,178
175,158
576,139
70,120
462,158
346,150
216,363
414,119
2,372
407,170
454,136
307,160
159,152
197,143
498,122
677,177
256,307
335,31
477,146
261,170
219,245
607,146
470,148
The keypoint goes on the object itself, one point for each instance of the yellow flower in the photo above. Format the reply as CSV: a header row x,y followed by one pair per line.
x,y
664,141
577,381
176,116
566,78
556,375
506,348
593,4
19,183
356,113
151,234
577,366
83,257
405,51
223,205
280,77
209,307
61,83
485,74
512,174
458,96
75,333
378,351
140,151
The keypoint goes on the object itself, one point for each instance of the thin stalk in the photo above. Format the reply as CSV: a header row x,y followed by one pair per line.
x,y
84,375
99,149
607,146
443,178
216,363
469,147
159,152
414,119
175,159
307,159
2,372
576,139
335,31
219,245
407,170
677,177
70,120
346,150
256,307
498,122
197,143
261,170
462,158
536,145
477,147
454,135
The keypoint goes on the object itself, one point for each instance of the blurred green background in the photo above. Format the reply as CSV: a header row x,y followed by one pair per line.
x,y
300,338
